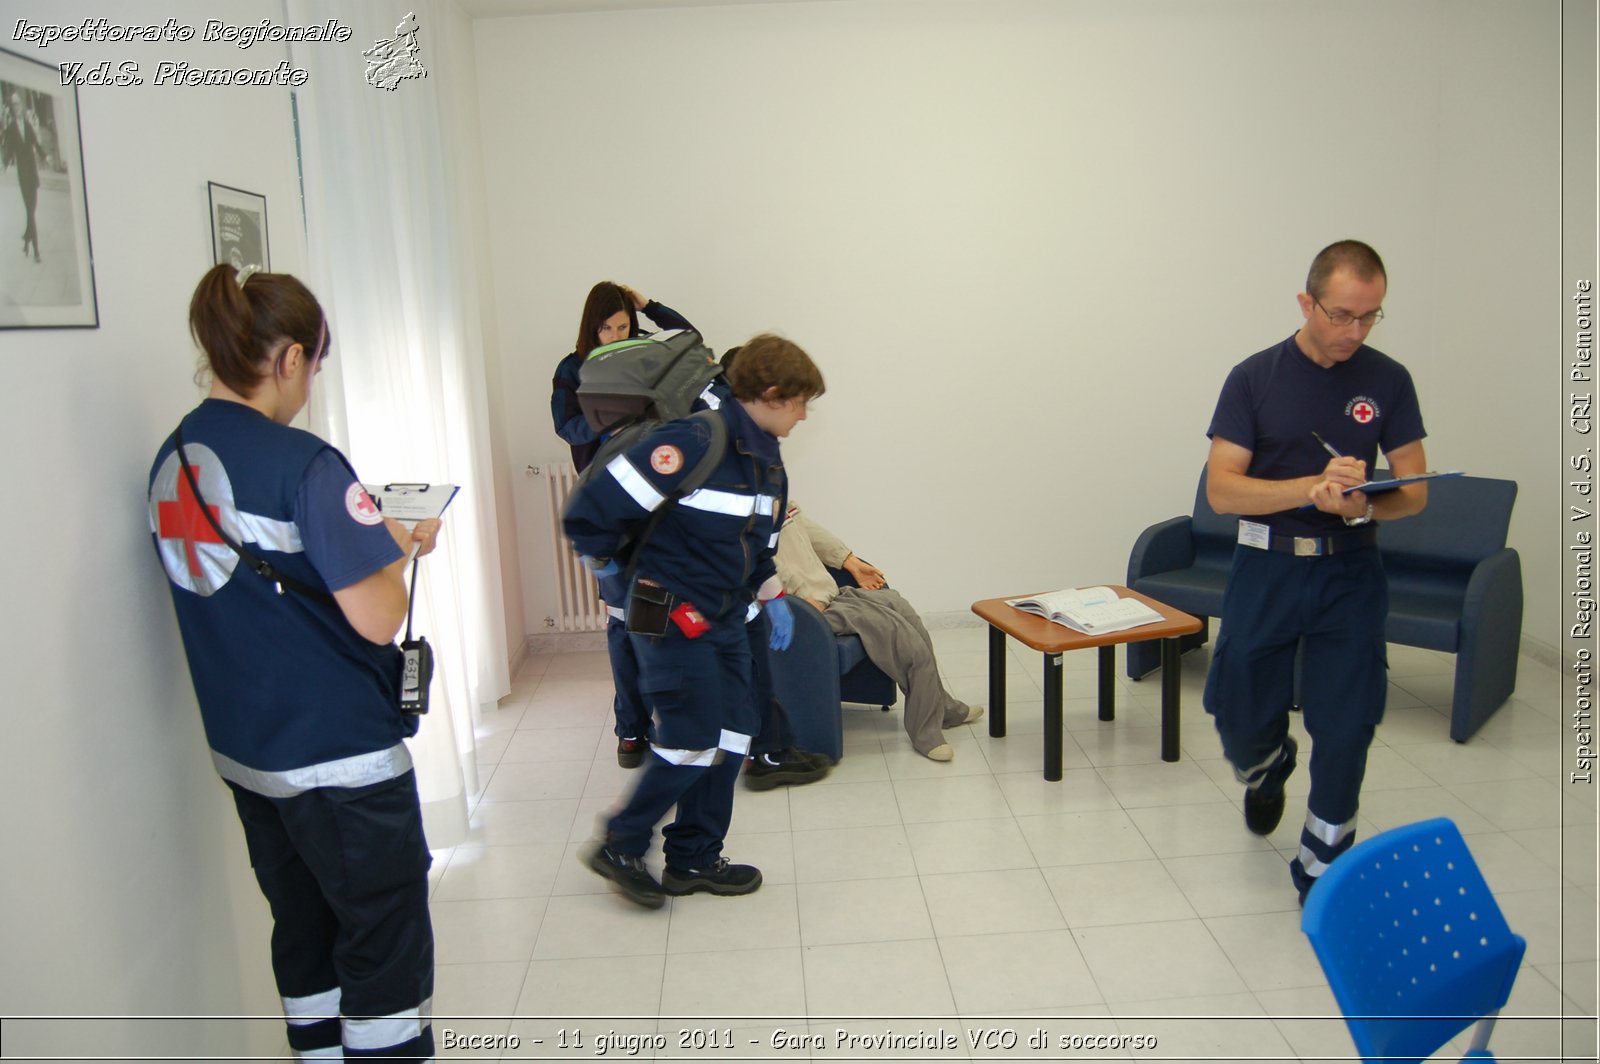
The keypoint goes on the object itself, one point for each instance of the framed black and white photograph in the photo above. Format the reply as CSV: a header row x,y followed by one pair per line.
x,y
238,227
46,265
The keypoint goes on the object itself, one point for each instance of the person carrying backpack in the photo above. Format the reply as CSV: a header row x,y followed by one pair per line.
x,y
689,598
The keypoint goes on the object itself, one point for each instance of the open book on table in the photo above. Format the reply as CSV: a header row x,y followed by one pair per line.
x,y
1090,610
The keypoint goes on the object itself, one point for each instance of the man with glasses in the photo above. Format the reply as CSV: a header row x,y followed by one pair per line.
x,y
1297,427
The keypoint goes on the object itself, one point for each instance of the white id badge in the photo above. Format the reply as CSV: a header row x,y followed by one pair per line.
x,y
1253,534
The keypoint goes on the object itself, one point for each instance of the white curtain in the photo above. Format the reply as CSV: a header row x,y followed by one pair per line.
x,y
389,242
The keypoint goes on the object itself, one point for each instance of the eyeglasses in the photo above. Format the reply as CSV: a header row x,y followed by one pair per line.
x,y
1341,318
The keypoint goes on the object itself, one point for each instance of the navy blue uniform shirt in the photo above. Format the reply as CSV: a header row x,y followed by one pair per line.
x,y
1274,400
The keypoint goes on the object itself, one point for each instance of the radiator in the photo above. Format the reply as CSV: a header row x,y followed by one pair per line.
x,y
578,605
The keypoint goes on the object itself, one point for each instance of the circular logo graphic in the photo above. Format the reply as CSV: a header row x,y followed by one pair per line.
x,y
1362,409
666,459
360,505
194,554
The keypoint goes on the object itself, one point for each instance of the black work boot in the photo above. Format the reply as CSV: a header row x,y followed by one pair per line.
x,y
720,878
628,876
790,766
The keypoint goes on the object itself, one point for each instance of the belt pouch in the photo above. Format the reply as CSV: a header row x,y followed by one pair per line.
x,y
649,609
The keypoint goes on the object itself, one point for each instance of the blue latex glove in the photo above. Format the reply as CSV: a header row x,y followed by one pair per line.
x,y
610,568
781,617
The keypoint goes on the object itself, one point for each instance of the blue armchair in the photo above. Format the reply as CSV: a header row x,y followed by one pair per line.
x,y
820,671
1454,585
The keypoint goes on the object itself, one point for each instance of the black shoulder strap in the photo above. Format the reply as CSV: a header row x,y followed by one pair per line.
x,y
254,562
715,449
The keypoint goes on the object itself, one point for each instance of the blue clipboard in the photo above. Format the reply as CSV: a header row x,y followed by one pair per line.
x,y
1375,487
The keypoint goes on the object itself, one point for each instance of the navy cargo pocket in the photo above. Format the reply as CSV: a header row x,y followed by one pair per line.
x,y
380,835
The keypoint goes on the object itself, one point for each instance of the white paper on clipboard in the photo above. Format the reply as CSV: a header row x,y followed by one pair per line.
x,y
410,503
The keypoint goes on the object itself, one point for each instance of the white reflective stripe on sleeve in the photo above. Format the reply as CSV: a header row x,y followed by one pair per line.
x,y
766,505
381,1032
711,398
720,502
1326,833
735,742
267,532
700,758
311,1008
770,588
357,771
752,612
617,612
326,1053
634,483
1310,862
772,541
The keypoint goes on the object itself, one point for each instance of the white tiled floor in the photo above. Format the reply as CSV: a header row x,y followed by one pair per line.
x,y
908,896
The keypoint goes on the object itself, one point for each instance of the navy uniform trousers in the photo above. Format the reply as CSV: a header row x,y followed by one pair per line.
x,y
698,691
775,734
345,871
633,716
1334,606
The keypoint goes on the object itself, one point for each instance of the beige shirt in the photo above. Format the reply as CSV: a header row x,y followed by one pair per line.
x,y
804,549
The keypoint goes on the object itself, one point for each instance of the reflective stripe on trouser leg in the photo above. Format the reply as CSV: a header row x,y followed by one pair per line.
x,y
1254,776
1320,843
313,1020
395,1035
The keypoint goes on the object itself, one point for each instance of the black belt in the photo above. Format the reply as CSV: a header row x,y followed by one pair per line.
x,y
1319,546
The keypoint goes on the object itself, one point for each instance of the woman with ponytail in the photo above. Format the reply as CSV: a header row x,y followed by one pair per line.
x,y
288,587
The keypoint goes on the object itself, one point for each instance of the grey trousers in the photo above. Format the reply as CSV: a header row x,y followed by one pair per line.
x,y
895,640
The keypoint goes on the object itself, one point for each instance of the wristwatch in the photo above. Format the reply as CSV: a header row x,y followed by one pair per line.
x,y
1364,519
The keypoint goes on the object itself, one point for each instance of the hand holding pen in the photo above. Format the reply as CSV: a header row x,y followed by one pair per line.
x,y
1346,472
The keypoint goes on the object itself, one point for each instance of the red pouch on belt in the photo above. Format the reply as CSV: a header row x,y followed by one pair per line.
x,y
689,621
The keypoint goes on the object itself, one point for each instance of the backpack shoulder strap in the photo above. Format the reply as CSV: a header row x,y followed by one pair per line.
x,y
692,481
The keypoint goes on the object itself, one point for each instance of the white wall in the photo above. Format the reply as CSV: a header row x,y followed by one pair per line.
x,y
1026,239
127,889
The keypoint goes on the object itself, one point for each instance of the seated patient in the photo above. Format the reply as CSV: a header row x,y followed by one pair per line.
x,y
889,629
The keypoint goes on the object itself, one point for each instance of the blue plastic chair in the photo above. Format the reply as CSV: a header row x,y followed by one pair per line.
x,y
1412,942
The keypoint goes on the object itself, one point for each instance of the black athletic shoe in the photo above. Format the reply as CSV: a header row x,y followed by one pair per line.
x,y
630,752
1263,806
720,878
628,875
766,771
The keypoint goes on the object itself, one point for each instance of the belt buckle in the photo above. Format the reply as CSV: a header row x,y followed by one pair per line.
x,y
1308,546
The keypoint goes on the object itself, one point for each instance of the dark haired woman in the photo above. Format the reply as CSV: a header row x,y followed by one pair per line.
x,y
697,582
296,673
610,313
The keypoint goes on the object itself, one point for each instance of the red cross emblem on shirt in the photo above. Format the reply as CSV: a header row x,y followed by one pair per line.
x,y
1362,412
184,520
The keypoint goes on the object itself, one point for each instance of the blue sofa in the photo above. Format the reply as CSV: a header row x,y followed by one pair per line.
x,y
819,672
1454,585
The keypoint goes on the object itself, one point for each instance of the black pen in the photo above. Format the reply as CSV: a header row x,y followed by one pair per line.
x,y
1326,446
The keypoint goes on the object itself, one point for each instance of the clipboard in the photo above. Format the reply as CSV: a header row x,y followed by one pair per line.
x,y
1376,487
410,503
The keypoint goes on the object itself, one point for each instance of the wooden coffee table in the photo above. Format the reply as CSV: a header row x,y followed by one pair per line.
x,y
1053,640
